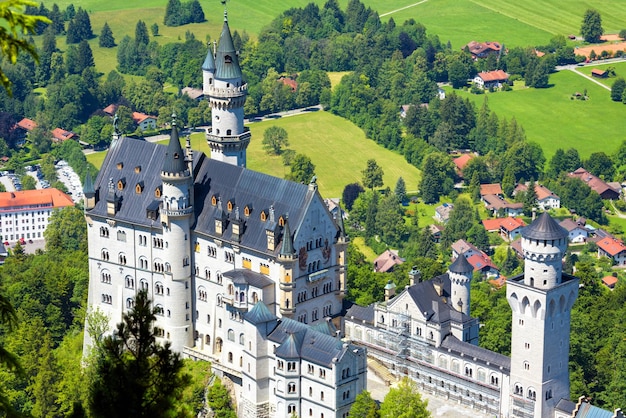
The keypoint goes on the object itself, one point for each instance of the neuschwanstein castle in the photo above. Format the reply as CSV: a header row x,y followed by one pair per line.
x,y
248,271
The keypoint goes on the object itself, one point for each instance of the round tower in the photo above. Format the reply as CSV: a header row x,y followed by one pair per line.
x,y
460,274
544,243
176,215
224,85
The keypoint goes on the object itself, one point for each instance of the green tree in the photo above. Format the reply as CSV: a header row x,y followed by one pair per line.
x,y
135,375
154,29
400,190
85,56
591,28
126,123
350,193
141,33
530,199
66,231
218,399
302,169
477,235
364,406
106,37
437,177
274,139
8,320
13,24
28,182
404,401
600,165
372,175
617,89
390,220
461,220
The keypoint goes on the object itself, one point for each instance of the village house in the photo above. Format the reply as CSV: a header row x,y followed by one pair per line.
x,y
479,261
463,247
26,125
613,248
144,121
435,232
546,198
195,94
334,208
509,228
609,281
460,163
60,135
605,190
599,73
577,233
483,49
491,79
497,205
442,213
387,261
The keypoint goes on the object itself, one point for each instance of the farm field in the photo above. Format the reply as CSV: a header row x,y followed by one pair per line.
x,y
339,151
551,119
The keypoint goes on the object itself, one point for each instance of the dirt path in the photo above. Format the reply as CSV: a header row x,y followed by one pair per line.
x,y
590,78
403,8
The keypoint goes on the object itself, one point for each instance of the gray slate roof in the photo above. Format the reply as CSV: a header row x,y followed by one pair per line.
x,y
361,313
226,59
259,314
473,351
209,61
301,341
245,276
437,309
212,178
461,265
544,227
174,161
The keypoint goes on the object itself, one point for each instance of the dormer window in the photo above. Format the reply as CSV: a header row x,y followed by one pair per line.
x,y
247,210
138,169
120,166
228,59
139,187
157,192
214,200
176,156
281,221
263,215
231,204
121,183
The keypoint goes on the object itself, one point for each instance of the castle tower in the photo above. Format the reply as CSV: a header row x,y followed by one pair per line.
x,y
176,216
460,273
287,258
541,300
223,84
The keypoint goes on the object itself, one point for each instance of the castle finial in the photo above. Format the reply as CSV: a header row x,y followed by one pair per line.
x,y
173,118
225,11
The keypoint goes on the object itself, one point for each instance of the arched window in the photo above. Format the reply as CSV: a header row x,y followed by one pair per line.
x,y
242,338
231,335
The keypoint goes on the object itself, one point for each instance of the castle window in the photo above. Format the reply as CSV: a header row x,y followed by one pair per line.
x,y
231,335
214,200
105,255
247,210
120,165
121,183
279,365
230,357
130,303
157,192
197,247
158,310
121,236
291,409
158,288
228,132
105,277
228,59
265,269
291,388
281,221
138,169
212,251
322,373
202,294
144,284
122,259
139,187
104,231
246,263
129,282
526,365
229,257
263,215
242,339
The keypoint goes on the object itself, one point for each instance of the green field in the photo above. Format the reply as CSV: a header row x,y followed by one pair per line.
x,y
553,120
339,151
619,67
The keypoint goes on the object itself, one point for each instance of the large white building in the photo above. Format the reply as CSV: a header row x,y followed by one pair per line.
x,y
24,215
426,332
246,270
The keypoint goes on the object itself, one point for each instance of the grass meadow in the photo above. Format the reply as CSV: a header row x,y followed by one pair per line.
x,y
619,67
552,119
339,151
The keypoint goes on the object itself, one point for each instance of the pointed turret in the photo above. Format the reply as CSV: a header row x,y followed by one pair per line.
x,y
460,273
174,162
286,249
226,58
89,192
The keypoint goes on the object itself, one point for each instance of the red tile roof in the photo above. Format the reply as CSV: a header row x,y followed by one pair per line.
x,y
462,161
596,184
60,135
387,261
510,224
486,189
27,124
611,246
478,48
597,72
481,261
609,281
293,84
31,198
497,75
110,109
139,117
491,224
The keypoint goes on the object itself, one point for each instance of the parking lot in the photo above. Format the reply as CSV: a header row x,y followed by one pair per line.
x,y
70,179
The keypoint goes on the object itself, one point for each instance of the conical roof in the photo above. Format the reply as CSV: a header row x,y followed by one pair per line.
x,y
226,59
88,189
174,156
544,227
460,265
259,314
287,244
209,61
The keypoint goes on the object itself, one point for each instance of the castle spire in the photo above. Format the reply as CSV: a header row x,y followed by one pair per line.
x,y
174,156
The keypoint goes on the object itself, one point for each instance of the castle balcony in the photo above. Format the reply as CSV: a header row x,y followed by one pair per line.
x,y
287,311
288,286
177,213
228,92
318,275
228,139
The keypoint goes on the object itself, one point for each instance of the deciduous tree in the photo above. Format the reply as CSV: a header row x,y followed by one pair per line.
x,y
302,169
350,194
404,401
274,139
591,28
364,406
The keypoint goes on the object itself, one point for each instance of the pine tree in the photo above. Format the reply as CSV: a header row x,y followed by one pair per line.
x,y
106,37
508,181
617,89
141,33
196,14
173,13
85,56
135,375
530,199
400,190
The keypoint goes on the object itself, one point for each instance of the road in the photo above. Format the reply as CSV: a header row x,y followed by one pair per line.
x,y
574,69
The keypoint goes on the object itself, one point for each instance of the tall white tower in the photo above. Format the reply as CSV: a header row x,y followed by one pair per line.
x,y
541,300
460,274
176,217
223,84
